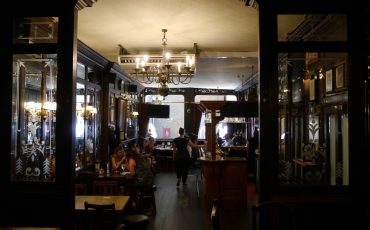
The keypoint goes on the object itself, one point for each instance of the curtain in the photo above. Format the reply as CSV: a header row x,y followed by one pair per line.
x,y
143,120
196,117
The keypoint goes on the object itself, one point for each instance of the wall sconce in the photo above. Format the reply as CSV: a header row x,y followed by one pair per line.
x,y
208,117
134,114
86,112
36,109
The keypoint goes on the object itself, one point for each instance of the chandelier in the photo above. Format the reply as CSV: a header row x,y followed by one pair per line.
x,y
162,69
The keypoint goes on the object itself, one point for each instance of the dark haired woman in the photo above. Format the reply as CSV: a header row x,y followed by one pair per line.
x,y
118,159
182,156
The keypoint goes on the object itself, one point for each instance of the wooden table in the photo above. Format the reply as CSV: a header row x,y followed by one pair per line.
x,y
119,201
163,157
86,219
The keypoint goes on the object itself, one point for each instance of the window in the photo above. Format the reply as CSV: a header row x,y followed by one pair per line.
x,y
167,128
87,118
221,128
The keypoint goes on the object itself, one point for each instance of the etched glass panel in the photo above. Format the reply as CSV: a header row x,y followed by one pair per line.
x,y
33,117
312,27
313,119
33,30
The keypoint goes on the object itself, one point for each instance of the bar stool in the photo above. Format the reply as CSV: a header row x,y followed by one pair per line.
x,y
135,222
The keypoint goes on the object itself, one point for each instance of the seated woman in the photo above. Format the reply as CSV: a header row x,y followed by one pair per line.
x,y
131,163
142,174
149,153
118,159
139,169
149,145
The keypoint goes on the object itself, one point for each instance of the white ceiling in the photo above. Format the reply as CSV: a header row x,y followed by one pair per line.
x,y
226,32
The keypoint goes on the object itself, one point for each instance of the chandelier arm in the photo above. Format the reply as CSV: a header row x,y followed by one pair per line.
x,y
175,82
175,79
149,78
187,80
142,78
184,80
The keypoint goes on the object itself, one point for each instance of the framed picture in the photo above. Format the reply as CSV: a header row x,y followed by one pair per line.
x,y
166,132
329,81
340,77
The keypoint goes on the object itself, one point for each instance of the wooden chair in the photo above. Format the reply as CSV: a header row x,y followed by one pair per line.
x,y
86,178
105,187
147,197
196,170
215,215
101,217
273,215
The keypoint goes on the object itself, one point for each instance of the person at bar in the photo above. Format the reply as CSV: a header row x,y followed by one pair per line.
x,y
228,141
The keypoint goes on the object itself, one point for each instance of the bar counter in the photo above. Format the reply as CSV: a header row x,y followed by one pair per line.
x,y
225,180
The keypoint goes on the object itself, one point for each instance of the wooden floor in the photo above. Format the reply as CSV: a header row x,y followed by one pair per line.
x,y
182,209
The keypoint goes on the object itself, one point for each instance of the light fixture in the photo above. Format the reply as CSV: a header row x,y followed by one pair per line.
x,y
208,116
37,109
163,69
252,3
87,112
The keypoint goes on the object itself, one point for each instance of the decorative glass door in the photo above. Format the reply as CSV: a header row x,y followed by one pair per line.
x,y
33,117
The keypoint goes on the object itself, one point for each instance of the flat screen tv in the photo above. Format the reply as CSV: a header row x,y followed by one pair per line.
x,y
158,111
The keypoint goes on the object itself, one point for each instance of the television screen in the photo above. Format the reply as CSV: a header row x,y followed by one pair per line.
x,y
158,111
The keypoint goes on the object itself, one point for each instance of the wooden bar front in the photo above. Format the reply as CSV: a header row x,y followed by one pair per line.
x,y
226,180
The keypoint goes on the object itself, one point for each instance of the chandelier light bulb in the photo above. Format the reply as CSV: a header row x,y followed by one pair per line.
x,y
137,61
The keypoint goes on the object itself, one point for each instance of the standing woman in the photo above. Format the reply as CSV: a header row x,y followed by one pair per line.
x,y
181,156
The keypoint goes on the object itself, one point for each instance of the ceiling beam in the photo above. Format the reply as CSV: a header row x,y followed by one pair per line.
x,y
228,54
